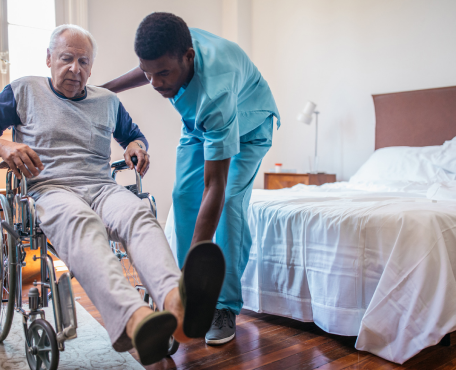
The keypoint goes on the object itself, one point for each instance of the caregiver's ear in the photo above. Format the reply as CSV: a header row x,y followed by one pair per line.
x,y
190,54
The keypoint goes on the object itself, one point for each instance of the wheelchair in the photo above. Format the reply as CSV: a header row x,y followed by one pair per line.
x,y
21,234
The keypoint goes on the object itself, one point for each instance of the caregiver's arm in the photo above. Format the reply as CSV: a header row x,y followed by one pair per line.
x,y
130,80
215,178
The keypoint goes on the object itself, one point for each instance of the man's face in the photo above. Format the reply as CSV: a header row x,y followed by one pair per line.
x,y
167,74
71,64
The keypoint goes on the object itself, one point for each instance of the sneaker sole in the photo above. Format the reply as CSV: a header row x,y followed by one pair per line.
x,y
216,342
204,272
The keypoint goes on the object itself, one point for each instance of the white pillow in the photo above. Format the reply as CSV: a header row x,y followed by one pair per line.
x,y
402,164
446,158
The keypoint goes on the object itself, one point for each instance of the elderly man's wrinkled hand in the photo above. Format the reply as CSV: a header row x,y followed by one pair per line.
x,y
20,157
138,149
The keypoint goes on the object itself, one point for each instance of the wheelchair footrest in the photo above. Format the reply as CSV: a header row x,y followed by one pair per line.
x,y
67,334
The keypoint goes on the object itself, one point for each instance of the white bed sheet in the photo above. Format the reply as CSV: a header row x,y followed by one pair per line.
x,y
373,261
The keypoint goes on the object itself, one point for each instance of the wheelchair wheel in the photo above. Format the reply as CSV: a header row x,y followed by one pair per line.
x,y
44,353
173,346
7,273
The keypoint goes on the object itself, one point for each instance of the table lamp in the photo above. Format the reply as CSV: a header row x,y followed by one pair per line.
x,y
306,117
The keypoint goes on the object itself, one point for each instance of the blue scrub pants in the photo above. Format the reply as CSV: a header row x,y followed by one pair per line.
x,y
233,234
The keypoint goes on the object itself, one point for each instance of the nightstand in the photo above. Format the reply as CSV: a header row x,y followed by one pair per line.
x,y
274,180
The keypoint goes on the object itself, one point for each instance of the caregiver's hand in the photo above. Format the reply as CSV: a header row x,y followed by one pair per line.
x,y
138,149
20,158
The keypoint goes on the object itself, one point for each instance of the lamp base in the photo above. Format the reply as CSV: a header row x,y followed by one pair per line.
x,y
313,165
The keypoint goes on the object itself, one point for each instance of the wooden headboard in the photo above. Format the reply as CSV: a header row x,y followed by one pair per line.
x,y
415,118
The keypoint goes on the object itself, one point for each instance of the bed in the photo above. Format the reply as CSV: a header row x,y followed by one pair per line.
x,y
374,257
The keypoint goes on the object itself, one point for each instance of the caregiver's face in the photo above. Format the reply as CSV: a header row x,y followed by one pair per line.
x,y
167,74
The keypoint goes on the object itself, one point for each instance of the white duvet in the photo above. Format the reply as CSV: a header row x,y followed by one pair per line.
x,y
373,261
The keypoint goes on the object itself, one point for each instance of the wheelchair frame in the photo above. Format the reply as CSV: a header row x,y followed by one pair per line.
x,y
22,231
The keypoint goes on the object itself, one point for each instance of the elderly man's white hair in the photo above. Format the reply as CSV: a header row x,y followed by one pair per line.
x,y
73,30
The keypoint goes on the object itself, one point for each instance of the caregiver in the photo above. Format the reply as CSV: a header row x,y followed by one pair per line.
x,y
227,114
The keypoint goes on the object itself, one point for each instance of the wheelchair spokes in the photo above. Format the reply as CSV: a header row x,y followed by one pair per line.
x,y
127,266
43,352
4,272
7,273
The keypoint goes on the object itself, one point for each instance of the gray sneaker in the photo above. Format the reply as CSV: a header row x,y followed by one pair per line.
x,y
223,328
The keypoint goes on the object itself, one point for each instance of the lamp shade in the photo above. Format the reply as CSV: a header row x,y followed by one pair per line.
x,y
306,115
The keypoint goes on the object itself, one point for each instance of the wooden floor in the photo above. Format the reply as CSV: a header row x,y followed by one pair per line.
x,y
272,342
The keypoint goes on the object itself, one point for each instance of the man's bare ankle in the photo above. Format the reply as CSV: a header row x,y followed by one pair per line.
x,y
174,304
172,300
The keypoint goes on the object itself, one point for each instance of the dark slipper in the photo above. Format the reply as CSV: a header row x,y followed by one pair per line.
x,y
200,285
151,336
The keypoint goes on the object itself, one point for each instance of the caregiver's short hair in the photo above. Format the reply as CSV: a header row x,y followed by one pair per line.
x,y
73,30
162,33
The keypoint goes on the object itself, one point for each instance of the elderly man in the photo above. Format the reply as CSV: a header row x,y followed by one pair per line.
x,y
64,132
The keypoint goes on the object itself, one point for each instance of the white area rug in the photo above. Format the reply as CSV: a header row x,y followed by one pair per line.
x,y
90,350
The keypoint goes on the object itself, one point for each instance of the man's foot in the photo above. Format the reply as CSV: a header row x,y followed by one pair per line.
x,y
223,328
151,336
199,287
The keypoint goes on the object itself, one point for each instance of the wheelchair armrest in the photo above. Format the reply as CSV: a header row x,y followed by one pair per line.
x,y
121,165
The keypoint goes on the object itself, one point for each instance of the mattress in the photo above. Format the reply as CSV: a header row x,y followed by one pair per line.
x,y
377,262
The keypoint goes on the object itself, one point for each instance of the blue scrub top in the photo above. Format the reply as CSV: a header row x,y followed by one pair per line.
x,y
226,98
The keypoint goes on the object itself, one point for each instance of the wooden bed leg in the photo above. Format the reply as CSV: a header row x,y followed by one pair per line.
x,y
446,341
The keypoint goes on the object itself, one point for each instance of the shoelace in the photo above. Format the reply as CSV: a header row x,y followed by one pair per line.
x,y
222,318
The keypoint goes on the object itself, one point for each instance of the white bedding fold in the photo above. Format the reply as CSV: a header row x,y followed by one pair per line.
x,y
442,191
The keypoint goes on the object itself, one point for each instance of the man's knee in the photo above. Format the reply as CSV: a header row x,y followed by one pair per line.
x,y
136,209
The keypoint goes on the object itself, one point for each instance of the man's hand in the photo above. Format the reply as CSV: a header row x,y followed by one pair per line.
x,y
20,158
138,149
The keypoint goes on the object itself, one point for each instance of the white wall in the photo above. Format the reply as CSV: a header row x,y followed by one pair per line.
x,y
113,23
338,53
237,23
